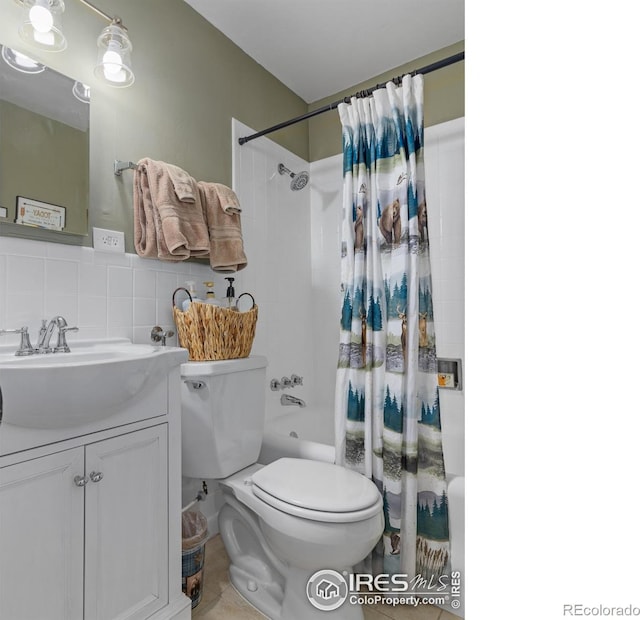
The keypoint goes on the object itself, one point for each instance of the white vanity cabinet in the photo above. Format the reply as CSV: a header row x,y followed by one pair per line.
x,y
90,518
101,510
126,544
42,538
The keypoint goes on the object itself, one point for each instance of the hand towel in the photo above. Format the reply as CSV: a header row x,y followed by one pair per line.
x,y
183,184
227,197
144,217
165,226
225,231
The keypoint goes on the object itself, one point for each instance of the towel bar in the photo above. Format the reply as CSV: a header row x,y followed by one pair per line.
x,y
119,166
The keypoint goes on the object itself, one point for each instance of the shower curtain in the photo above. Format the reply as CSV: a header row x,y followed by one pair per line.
x,y
387,408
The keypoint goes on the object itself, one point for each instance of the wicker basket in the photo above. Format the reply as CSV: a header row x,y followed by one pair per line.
x,y
211,332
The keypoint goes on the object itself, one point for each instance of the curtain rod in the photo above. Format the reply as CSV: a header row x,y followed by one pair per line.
x,y
445,62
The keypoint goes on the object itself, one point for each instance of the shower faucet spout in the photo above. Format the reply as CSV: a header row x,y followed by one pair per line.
x,y
287,399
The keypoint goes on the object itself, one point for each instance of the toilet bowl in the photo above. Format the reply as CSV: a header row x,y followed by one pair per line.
x,y
301,539
280,523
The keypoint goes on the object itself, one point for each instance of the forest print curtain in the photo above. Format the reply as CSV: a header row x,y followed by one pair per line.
x,y
387,411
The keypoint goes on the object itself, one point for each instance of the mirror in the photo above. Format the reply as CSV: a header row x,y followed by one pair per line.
x,y
44,150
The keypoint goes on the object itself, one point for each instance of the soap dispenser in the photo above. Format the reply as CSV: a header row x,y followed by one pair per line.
x,y
210,296
231,295
191,287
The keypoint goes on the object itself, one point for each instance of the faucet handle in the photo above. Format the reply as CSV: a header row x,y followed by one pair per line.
x,y
25,347
62,346
296,380
160,335
285,382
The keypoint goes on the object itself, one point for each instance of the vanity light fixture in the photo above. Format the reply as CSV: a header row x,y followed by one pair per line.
x,y
42,24
21,62
81,92
42,27
114,56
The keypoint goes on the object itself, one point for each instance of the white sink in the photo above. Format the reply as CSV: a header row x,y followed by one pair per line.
x,y
94,381
89,354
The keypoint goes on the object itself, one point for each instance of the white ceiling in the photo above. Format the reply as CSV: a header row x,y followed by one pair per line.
x,y
320,48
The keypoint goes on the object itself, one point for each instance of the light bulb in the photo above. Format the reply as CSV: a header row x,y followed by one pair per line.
x,y
41,18
44,38
112,60
115,76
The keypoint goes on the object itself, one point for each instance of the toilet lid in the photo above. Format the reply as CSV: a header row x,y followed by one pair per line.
x,y
315,485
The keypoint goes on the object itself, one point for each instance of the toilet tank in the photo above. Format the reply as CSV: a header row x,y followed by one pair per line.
x,y
223,404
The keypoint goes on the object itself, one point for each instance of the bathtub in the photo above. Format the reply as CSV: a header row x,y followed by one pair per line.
x,y
308,433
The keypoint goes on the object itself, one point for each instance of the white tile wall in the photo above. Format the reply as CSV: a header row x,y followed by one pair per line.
x,y
103,294
444,163
326,218
276,228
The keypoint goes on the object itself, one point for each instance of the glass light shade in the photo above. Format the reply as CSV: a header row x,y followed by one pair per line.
x,y
21,62
114,56
42,24
81,92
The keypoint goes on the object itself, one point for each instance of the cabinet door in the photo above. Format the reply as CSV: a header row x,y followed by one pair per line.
x,y
126,568
41,538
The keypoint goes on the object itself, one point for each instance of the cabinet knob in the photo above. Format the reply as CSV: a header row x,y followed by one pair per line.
x,y
96,476
81,481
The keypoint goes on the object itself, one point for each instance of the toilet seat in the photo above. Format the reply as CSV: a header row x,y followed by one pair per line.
x,y
316,490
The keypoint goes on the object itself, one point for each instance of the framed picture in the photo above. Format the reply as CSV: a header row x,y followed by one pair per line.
x,y
39,214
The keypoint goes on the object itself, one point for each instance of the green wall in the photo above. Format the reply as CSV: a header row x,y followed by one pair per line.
x,y
190,81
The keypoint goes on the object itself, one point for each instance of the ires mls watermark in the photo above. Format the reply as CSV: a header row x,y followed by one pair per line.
x,y
328,589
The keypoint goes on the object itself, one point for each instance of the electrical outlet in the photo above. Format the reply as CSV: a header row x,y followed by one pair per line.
x,y
108,240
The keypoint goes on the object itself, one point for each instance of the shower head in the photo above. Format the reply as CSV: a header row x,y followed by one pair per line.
x,y
298,181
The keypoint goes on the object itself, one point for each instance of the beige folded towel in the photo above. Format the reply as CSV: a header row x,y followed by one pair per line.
x,y
227,197
225,230
183,183
144,217
164,226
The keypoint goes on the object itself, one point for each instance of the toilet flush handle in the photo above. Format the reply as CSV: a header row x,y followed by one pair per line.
x,y
196,385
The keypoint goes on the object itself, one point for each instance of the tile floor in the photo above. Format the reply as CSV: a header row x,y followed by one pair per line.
x,y
220,601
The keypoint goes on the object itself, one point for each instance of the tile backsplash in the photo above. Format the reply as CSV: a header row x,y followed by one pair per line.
x,y
104,294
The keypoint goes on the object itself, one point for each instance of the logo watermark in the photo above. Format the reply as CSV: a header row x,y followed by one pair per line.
x,y
578,609
328,589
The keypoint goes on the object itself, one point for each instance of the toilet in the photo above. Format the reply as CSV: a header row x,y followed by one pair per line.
x,y
280,523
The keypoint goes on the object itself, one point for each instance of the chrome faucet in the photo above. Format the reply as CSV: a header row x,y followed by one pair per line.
x,y
160,335
25,347
44,336
46,331
287,399
63,328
